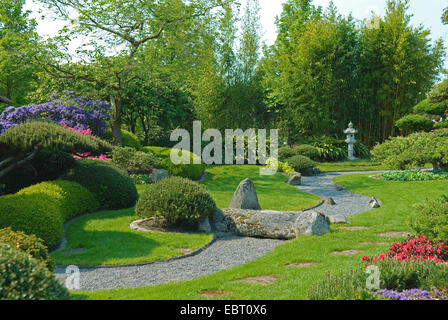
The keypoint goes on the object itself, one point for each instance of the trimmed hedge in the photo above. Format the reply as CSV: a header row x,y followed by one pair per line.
x,y
285,153
178,200
128,139
414,123
189,171
113,188
307,151
71,197
302,164
29,244
36,214
24,278
42,209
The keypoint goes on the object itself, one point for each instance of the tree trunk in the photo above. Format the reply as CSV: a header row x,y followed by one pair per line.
x,y
116,120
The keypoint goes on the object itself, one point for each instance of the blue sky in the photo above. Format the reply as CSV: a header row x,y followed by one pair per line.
x,y
426,12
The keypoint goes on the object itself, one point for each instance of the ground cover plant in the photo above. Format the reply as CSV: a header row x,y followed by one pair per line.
x,y
396,198
415,175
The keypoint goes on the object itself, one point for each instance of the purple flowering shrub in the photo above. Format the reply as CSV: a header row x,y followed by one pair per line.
x,y
413,294
76,112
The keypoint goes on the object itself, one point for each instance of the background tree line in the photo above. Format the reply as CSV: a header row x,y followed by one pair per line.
x,y
163,64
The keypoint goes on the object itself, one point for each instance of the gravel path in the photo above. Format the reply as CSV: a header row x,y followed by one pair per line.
x,y
347,203
224,253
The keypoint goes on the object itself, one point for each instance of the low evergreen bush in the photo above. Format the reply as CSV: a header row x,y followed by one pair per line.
x,y
302,164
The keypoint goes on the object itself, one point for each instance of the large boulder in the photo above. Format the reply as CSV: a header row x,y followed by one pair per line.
x,y
219,222
276,224
245,196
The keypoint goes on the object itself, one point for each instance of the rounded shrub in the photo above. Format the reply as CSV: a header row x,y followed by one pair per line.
x,y
307,151
302,164
24,278
71,197
414,123
285,153
113,188
190,171
128,139
134,162
178,200
29,244
37,214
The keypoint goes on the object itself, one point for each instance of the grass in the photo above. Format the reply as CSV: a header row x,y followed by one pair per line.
x,y
272,191
356,165
397,198
108,240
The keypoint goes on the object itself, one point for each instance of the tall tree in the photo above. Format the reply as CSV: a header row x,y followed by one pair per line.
x,y
17,35
117,31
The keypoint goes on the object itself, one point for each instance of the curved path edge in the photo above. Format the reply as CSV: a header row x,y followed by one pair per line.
x,y
221,253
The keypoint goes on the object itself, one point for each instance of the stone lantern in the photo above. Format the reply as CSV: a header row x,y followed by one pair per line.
x,y
350,132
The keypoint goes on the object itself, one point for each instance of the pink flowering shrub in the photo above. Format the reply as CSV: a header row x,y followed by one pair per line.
x,y
85,155
416,248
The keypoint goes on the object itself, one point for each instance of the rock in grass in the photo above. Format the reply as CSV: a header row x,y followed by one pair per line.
x,y
374,203
245,196
294,179
205,226
159,174
337,218
276,224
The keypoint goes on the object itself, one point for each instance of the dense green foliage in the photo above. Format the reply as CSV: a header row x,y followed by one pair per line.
x,y
53,137
414,175
302,164
431,218
308,151
112,187
178,200
29,244
47,165
414,150
71,197
42,209
128,139
395,275
24,278
414,123
134,162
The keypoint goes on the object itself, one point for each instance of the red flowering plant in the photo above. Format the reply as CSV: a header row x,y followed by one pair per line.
x,y
416,248
85,155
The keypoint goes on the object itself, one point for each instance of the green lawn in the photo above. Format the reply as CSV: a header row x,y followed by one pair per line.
x,y
272,191
397,198
356,165
108,240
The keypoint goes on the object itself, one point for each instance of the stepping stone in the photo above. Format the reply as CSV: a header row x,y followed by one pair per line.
x,y
185,251
394,234
337,218
74,251
260,280
353,228
347,253
302,264
374,243
214,293
330,202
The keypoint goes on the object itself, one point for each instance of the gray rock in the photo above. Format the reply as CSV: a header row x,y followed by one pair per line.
x,y
205,226
337,218
245,196
330,201
294,179
159,174
219,222
374,203
339,188
276,224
